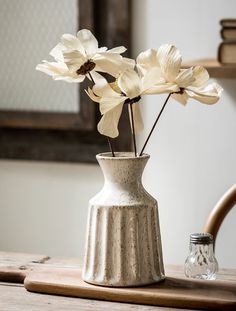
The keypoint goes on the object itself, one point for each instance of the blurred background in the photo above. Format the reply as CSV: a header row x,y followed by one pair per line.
x,y
43,205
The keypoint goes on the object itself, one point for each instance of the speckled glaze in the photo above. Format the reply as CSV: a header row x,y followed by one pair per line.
x,y
123,246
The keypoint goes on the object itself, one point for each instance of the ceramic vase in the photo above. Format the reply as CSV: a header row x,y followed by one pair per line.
x,y
123,246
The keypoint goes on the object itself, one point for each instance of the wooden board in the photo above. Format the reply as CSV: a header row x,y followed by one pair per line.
x,y
173,292
14,297
15,266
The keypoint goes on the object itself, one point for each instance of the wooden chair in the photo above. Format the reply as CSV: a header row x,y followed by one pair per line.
x,y
217,215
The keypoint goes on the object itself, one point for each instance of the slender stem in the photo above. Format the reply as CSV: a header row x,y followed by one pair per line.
x,y
133,129
91,77
110,146
108,138
155,123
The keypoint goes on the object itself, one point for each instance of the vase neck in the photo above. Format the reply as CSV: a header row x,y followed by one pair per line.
x,y
123,170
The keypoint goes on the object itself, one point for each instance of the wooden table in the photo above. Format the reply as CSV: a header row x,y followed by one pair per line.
x,y
13,296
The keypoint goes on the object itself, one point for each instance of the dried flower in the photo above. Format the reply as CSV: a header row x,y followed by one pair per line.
x,y
158,71
128,89
190,83
77,57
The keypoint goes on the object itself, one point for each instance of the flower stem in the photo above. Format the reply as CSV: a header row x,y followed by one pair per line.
x,y
155,123
91,77
133,130
110,146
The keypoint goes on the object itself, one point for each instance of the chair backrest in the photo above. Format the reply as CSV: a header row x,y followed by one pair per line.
x,y
221,209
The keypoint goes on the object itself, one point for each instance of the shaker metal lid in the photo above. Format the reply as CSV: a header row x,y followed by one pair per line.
x,y
201,238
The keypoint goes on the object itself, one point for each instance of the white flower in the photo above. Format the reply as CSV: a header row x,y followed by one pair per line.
x,y
190,83
76,57
128,89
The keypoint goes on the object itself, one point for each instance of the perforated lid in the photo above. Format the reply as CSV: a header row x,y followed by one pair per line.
x,y
201,238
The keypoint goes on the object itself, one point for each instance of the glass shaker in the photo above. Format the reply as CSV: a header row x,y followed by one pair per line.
x,y
201,262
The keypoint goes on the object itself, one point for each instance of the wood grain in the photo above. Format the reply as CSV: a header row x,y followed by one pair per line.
x,y
172,292
44,120
51,145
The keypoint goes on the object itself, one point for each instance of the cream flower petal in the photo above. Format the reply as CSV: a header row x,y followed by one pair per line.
x,y
201,76
181,98
72,43
107,104
57,52
92,96
152,77
52,68
59,71
111,63
118,49
130,83
123,65
170,60
103,89
111,57
88,41
108,124
185,78
147,60
138,120
70,79
127,63
74,57
161,88
206,95
73,68
96,77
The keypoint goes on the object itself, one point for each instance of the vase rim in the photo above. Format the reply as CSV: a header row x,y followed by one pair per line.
x,y
122,156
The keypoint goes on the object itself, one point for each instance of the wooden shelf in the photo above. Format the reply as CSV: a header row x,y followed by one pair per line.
x,y
215,69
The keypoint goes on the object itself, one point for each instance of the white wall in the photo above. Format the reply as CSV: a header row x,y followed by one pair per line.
x,y
193,149
43,206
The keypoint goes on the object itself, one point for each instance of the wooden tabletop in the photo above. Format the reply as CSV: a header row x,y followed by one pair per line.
x,y
13,296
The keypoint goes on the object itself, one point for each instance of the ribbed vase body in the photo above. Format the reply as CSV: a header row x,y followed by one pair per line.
x,y
123,246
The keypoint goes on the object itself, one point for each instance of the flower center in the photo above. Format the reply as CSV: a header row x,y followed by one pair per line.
x,y
86,68
181,91
133,100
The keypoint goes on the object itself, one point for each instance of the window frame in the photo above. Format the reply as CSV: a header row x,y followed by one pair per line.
x,y
71,137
